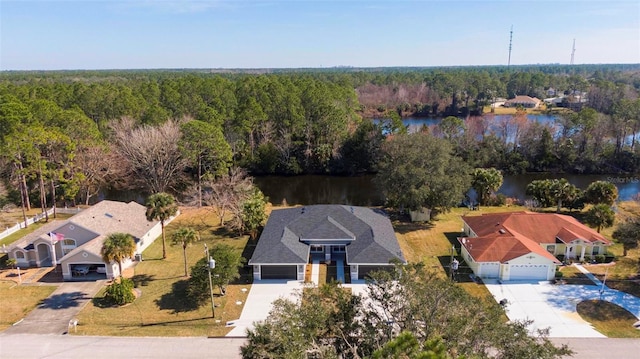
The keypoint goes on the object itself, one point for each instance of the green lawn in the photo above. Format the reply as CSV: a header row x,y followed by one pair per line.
x,y
160,309
609,319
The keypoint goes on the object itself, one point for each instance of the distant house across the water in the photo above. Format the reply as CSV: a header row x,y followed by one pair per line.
x,y
524,101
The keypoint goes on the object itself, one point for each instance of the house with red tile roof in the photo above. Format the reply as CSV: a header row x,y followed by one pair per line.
x,y
525,245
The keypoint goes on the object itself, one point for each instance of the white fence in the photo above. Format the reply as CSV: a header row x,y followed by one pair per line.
x,y
36,218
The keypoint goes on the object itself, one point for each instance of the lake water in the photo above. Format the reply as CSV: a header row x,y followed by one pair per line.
x,y
414,124
361,191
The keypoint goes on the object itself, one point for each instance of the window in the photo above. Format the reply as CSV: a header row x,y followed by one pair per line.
x,y
338,249
551,249
19,255
68,244
595,250
317,248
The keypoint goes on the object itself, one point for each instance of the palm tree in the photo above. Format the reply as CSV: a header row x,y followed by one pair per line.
x,y
117,247
161,206
184,236
600,216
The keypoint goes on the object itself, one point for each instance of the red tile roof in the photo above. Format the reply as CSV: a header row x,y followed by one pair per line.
x,y
504,236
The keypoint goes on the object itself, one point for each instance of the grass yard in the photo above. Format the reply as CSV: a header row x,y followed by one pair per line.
x,y
609,319
18,300
161,308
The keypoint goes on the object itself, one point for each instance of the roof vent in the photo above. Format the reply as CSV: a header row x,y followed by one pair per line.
x,y
502,231
108,215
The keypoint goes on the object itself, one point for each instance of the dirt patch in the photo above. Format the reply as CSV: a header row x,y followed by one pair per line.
x,y
27,275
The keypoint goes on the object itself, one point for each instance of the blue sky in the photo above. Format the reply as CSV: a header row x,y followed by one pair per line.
x,y
134,34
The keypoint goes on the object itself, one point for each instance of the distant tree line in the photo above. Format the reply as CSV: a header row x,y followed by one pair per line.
x,y
67,134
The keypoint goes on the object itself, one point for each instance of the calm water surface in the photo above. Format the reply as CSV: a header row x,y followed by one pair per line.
x,y
361,191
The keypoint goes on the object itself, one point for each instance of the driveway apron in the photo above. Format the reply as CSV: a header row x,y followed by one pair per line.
x,y
54,314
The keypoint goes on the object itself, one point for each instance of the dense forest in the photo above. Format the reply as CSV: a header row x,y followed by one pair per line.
x,y
66,134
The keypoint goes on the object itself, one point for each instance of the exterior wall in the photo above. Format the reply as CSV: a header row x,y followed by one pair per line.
x,y
80,234
152,235
470,262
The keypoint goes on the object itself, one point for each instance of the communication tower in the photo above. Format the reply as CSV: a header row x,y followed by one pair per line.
x,y
573,51
510,42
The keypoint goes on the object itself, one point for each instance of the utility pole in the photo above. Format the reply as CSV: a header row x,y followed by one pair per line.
x,y
211,264
510,42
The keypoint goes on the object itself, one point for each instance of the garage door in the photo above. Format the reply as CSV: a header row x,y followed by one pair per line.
x,y
489,270
528,271
278,272
363,271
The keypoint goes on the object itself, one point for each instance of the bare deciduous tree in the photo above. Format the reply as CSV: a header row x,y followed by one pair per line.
x,y
151,152
99,167
227,193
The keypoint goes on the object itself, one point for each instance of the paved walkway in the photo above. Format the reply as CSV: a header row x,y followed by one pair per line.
x,y
315,271
340,270
259,303
52,316
589,275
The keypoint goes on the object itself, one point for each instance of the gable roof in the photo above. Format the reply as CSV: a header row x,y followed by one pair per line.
x,y
289,232
108,217
504,236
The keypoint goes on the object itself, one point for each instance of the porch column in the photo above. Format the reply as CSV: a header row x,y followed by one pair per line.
x,y
256,272
354,272
584,247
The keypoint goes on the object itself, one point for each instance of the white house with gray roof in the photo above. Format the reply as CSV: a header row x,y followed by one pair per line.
x,y
81,238
362,237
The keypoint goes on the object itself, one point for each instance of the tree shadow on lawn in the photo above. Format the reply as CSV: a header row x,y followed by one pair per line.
x,y
142,280
404,227
177,300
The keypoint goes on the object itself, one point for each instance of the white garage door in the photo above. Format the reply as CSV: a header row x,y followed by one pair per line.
x,y
489,270
528,271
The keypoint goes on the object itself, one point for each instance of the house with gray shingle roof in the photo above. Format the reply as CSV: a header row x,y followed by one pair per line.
x,y
75,243
361,238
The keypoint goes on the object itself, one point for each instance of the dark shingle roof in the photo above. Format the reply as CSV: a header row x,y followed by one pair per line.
x,y
370,233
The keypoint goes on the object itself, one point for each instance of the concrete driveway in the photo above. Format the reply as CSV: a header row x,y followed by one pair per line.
x,y
261,297
52,316
259,303
554,306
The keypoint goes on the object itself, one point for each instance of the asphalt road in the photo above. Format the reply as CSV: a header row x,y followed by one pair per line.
x,y
598,348
34,346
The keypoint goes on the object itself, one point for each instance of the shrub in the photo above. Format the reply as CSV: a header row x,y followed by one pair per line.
x,y
560,257
600,258
497,200
609,259
120,293
559,274
587,259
